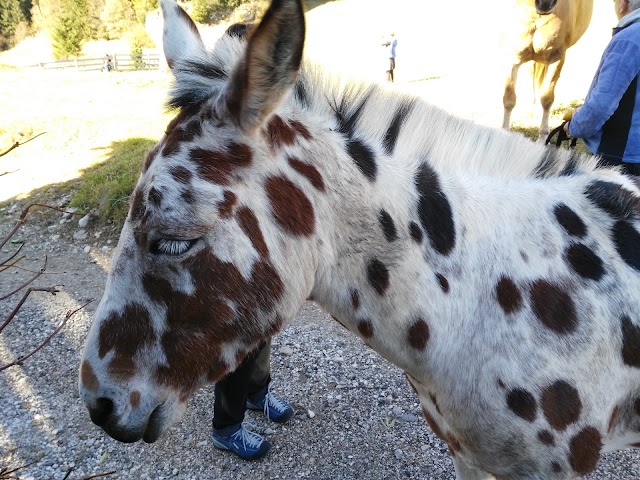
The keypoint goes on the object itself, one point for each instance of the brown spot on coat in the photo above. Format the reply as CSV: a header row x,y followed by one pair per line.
x,y
225,208
291,208
196,330
301,129
188,197
137,208
561,405
584,450
88,377
365,327
614,416
435,428
181,174
251,227
546,437
151,156
219,166
554,307
509,296
419,334
433,399
176,134
453,444
134,398
308,171
355,299
155,197
279,133
125,334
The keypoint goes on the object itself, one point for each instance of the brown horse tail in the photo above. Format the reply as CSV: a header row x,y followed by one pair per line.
x,y
539,72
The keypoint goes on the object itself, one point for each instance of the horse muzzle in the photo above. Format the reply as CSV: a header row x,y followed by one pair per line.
x,y
545,7
103,413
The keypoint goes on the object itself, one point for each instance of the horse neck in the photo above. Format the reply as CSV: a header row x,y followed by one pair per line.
x,y
366,245
377,265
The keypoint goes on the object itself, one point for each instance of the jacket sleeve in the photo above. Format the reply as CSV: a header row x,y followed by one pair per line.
x,y
619,66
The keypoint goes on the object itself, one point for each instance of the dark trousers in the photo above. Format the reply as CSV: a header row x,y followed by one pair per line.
x,y
251,377
392,67
627,168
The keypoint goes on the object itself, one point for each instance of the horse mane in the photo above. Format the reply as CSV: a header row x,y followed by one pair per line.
x,y
365,109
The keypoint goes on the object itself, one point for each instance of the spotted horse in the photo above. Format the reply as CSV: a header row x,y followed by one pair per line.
x,y
502,277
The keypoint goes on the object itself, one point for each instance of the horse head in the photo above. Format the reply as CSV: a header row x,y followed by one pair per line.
x,y
203,268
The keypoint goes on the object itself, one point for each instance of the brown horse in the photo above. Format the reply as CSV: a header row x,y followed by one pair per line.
x,y
545,29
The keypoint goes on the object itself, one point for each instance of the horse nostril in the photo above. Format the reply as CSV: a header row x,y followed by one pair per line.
x,y
101,412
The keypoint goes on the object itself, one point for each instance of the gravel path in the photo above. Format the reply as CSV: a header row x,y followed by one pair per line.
x,y
357,417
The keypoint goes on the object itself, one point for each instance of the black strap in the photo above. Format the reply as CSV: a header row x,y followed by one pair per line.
x,y
562,137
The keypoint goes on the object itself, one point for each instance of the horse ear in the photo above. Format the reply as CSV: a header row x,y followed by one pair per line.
x,y
269,67
180,37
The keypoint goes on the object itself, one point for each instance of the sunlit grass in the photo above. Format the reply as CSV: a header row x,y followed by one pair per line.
x,y
105,188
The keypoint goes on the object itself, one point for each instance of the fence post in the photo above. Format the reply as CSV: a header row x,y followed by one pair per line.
x,y
115,62
77,65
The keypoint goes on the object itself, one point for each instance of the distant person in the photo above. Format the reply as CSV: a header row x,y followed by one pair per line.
x,y
609,120
391,45
108,64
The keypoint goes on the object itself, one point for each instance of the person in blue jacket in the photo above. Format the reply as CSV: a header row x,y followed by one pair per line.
x,y
609,120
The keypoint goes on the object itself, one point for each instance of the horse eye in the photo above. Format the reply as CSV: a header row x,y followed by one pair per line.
x,y
166,246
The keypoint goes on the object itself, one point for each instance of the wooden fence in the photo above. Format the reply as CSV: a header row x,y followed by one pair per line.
x,y
119,61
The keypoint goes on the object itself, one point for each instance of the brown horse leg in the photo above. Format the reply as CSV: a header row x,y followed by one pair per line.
x,y
548,95
509,98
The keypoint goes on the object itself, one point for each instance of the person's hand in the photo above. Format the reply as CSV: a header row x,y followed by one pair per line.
x,y
568,114
566,128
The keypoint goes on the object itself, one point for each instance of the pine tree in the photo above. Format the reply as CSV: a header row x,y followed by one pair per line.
x,y
201,10
118,17
70,29
10,17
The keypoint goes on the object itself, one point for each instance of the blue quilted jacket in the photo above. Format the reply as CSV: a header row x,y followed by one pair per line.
x,y
609,120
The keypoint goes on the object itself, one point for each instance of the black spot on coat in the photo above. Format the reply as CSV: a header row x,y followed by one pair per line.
x,y
391,135
585,262
435,211
364,158
388,227
523,404
570,221
630,343
627,242
378,276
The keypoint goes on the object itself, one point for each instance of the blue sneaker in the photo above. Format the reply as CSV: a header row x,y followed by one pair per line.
x,y
276,409
246,444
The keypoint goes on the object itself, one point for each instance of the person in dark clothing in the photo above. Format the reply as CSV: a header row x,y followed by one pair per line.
x,y
609,120
246,388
